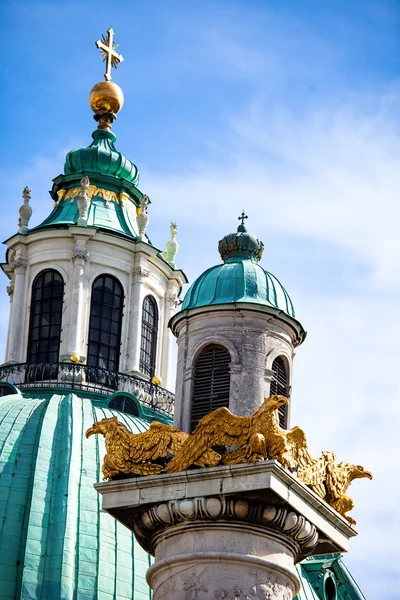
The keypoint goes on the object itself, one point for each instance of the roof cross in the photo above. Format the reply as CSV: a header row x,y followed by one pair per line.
x,y
242,217
109,54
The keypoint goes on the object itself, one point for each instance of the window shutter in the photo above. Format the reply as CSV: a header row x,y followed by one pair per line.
x,y
279,385
211,382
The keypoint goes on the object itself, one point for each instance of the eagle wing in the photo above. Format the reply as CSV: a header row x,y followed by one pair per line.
x,y
151,444
296,452
219,428
315,475
337,480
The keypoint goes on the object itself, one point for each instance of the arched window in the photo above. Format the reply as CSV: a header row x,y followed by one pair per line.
x,y
124,404
211,382
148,346
105,323
45,318
280,385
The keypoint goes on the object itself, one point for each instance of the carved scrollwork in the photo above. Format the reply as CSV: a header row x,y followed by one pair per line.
x,y
295,528
19,265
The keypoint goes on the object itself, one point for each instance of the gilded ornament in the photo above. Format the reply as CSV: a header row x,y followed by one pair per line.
x,y
256,438
130,453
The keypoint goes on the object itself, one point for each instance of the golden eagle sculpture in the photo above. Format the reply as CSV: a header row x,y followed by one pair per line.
x,y
133,453
331,481
257,437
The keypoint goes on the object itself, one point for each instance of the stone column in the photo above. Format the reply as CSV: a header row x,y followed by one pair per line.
x,y
78,304
18,312
232,533
135,320
170,303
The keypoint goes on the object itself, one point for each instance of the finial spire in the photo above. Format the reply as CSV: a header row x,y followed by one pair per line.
x,y
109,54
106,98
242,218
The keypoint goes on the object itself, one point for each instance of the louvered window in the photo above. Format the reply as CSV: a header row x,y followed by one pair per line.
x,y
45,320
211,382
105,323
124,404
148,345
280,385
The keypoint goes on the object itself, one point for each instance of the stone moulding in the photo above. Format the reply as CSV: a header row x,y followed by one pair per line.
x,y
296,530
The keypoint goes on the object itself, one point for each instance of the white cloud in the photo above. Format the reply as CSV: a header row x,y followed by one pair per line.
x,y
326,185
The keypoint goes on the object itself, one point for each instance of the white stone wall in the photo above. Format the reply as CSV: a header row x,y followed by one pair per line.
x,y
80,255
254,337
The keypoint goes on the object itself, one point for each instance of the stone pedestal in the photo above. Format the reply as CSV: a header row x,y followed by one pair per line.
x,y
227,533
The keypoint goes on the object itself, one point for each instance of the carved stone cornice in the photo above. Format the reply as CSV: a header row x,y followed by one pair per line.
x,y
299,533
19,265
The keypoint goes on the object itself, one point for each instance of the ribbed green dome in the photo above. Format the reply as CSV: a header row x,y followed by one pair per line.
x,y
238,280
101,157
55,542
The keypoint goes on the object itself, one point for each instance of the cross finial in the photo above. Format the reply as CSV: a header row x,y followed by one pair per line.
x,y
242,217
109,54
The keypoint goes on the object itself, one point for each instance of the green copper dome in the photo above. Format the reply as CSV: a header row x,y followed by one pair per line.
x,y
240,278
101,157
55,541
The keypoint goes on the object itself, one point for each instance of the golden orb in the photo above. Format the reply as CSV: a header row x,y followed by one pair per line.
x,y
156,380
74,358
106,95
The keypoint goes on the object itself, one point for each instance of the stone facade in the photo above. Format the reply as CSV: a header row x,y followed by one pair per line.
x,y
80,254
254,335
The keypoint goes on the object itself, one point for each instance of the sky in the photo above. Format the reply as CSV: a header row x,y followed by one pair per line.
x,y
287,109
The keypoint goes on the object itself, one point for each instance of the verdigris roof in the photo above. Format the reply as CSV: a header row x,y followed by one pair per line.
x,y
55,542
240,278
101,157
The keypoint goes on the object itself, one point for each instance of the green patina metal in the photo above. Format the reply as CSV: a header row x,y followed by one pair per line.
x,y
240,278
101,157
326,577
109,217
55,542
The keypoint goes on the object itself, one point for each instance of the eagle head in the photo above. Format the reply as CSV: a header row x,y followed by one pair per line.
x,y
274,402
358,472
100,426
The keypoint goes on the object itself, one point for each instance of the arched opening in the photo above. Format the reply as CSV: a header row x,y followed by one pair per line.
x,y
105,323
330,588
45,318
148,345
211,382
124,404
280,385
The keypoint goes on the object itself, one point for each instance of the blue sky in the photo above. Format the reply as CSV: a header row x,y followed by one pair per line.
x,y
289,109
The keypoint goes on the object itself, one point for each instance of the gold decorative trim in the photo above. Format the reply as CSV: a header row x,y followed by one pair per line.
x,y
107,195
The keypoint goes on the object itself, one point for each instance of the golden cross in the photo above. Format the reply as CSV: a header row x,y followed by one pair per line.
x,y
109,54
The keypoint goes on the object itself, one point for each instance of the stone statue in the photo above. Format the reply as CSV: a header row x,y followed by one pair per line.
x,y
143,218
172,247
25,212
83,201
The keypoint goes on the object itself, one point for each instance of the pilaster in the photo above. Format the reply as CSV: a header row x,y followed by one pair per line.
x,y
18,310
140,273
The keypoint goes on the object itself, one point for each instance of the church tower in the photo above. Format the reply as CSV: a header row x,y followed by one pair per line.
x,y
236,336
91,325
90,301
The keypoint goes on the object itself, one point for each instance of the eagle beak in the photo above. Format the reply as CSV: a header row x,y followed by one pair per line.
x,y
368,474
283,401
90,432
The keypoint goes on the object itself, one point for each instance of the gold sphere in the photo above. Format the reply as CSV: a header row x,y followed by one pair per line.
x,y
74,358
106,95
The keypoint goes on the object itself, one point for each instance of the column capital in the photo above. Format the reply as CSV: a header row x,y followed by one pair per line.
x,y
80,254
19,265
172,299
141,271
297,530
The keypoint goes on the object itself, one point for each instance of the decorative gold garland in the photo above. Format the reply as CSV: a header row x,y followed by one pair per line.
x,y
93,190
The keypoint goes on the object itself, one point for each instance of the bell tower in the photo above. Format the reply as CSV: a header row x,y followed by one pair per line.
x,y
236,334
